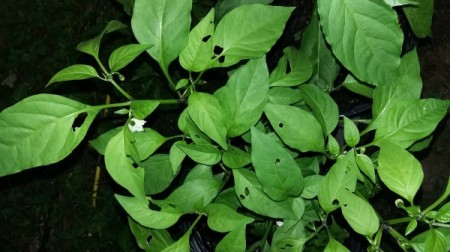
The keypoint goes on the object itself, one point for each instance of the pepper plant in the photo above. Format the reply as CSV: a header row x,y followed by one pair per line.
x,y
258,158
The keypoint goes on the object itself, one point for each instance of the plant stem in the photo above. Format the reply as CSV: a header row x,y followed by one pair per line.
x,y
440,225
113,105
401,240
438,201
172,85
120,89
269,225
398,221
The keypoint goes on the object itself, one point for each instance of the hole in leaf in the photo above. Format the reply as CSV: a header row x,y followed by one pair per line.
x,y
222,59
246,191
206,38
153,206
218,50
197,136
281,125
277,161
213,57
172,205
242,197
149,239
288,68
345,205
79,120
335,202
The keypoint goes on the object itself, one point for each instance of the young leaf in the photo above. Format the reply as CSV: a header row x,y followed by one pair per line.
x,y
41,130
148,142
408,121
143,108
120,168
74,72
251,195
176,156
123,55
333,146
298,71
335,246
164,24
296,127
149,239
399,170
248,31
233,241
365,164
100,143
357,87
139,210
443,214
435,241
420,17
372,36
323,107
205,110
412,225
224,219
201,153
235,157
284,95
158,173
353,208
351,132
245,95
325,67
312,186
275,168
198,52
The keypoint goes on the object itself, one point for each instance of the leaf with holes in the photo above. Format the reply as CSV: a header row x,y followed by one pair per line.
x,y
290,235
245,95
74,72
322,105
143,108
123,55
235,157
325,67
353,207
150,239
41,130
408,121
139,210
399,170
249,31
120,167
207,113
342,176
296,127
223,219
365,36
198,52
164,24
293,69
201,153
158,173
250,194
275,168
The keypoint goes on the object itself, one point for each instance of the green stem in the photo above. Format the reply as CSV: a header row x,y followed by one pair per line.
x,y
123,92
168,101
398,221
113,105
438,201
266,234
198,78
399,237
172,84
174,137
440,225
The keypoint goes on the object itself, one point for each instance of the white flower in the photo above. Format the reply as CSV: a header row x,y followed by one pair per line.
x,y
136,125
279,223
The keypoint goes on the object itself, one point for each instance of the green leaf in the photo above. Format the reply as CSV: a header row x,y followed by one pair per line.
x,y
225,6
143,108
296,127
351,132
325,67
250,194
333,146
341,177
41,130
151,240
275,168
74,72
197,54
121,169
291,236
181,84
181,245
223,219
435,241
443,214
399,170
139,210
363,33
92,46
248,31
322,106
201,153
420,17
284,95
164,24
158,173
395,3
123,55
418,242
197,191
421,144
233,241
176,156
297,72
408,121
335,246
353,208
147,142
188,127
100,143
357,87
205,110
365,164
245,95
412,225
235,157
312,186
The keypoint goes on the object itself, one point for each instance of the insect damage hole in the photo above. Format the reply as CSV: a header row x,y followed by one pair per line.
x,y
280,125
277,161
206,38
79,120
218,50
149,239
153,206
